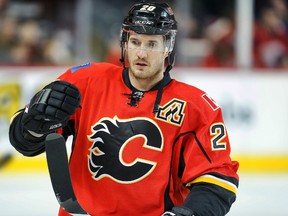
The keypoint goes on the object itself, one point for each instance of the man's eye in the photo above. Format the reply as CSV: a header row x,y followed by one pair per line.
x,y
152,45
134,42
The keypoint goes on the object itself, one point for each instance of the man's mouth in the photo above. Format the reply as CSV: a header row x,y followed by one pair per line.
x,y
141,64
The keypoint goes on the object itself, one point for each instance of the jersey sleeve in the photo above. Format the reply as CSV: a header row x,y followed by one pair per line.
x,y
207,147
208,170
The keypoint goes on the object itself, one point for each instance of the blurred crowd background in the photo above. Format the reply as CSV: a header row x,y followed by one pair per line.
x,y
236,50
53,32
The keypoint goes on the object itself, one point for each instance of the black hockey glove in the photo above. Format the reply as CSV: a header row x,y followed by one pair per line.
x,y
179,211
51,108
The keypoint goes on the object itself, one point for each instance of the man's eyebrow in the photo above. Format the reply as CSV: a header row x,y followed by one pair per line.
x,y
153,41
134,38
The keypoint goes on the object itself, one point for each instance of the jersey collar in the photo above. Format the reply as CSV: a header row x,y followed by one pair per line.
x,y
167,79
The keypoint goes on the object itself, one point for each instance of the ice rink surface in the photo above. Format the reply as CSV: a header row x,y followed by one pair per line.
x,y
32,195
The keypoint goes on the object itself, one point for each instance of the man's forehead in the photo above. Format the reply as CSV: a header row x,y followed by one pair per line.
x,y
145,37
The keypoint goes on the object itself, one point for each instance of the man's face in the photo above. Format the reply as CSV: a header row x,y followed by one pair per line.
x,y
146,55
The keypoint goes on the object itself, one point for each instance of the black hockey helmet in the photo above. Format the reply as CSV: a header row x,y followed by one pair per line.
x,y
150,18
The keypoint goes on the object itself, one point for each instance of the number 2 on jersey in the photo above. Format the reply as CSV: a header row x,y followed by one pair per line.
x,y
218,133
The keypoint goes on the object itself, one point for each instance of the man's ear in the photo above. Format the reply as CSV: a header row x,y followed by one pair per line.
x,y
166,52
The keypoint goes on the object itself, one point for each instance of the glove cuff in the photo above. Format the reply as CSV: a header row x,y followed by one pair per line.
x,y
179,211
182,210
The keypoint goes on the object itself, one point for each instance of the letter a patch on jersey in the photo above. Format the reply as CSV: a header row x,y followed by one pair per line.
x,y
210,102
172,112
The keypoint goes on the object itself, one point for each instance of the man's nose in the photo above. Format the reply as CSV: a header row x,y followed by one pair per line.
x,y
141,52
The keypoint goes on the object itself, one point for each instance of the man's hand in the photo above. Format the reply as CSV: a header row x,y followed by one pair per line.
x,y
51,108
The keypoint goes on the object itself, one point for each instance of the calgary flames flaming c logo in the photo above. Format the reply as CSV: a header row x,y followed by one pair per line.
x,y
113,139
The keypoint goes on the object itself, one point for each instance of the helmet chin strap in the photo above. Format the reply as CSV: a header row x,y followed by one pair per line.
x,y
171,61
123,53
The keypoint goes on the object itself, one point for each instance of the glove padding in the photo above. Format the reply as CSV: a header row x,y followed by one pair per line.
x,y
179,211
51,108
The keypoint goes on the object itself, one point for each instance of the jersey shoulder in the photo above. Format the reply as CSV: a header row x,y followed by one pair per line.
x,y
92,70
193,95
186,91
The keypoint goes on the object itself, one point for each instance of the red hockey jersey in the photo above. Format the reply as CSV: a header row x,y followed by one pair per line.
x,y
127,160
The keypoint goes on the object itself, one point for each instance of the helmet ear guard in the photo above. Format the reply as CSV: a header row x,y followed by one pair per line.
x,y
170,40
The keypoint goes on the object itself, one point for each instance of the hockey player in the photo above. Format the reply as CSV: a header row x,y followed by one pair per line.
x,y
143,143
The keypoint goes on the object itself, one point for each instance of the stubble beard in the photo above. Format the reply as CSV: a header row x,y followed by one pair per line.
x,y
148,74
144,75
